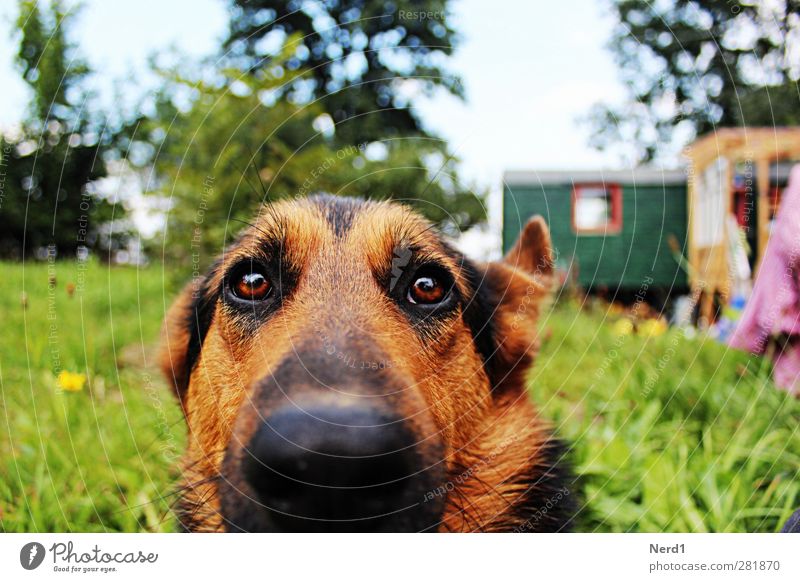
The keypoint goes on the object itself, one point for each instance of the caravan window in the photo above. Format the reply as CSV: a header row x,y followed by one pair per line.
x,y
596,208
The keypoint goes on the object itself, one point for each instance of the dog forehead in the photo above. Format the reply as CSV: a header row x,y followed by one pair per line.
x,y
308,227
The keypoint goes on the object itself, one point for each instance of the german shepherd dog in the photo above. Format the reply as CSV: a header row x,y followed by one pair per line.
x,y
342,368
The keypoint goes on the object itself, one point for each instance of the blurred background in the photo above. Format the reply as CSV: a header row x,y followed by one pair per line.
x,y
135,139
440,96
502,88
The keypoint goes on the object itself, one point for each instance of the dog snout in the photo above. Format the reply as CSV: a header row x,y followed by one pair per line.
x,y
331,469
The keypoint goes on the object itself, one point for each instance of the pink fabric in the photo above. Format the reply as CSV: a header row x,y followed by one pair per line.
x,y
774,307
787,368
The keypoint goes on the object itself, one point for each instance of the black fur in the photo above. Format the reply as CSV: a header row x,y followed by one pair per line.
x,y
550,499
479,310
339,211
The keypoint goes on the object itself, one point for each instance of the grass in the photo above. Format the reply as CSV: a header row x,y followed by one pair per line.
x,y
666,433
101,459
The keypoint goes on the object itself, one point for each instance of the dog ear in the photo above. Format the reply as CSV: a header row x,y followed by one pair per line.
x,y
510,294
532,253
185,326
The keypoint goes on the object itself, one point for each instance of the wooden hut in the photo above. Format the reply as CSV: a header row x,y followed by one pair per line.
x,y
735,179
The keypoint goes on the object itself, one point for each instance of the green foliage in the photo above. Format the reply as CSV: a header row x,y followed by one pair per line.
x,y
691,67
223,145
323,111
357,53
52,162
668,433
102,459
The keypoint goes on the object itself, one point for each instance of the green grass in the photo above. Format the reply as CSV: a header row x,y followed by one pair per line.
x,y
97,460
666,434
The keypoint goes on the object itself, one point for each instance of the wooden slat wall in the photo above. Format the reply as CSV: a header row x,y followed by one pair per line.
x,y
758,146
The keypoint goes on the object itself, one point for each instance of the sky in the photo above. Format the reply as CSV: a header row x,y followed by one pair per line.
x,y
530,68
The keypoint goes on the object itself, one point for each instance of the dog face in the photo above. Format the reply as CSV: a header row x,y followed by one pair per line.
x,y
342,368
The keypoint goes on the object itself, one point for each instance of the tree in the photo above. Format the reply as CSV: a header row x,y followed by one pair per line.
x,y
52,163
361,63
232,146
693,65
358,54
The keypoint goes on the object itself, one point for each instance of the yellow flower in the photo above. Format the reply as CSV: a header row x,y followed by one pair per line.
x,y
71,381
622,327
652,327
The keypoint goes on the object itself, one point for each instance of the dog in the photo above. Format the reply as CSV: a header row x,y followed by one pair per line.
x,y
341,367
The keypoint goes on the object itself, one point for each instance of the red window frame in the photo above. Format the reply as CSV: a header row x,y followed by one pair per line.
x,y
613,226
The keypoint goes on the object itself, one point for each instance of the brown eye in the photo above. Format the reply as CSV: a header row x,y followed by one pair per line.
x,y
251,285
426,291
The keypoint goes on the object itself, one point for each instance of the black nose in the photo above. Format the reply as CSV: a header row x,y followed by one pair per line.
x,y
331,469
